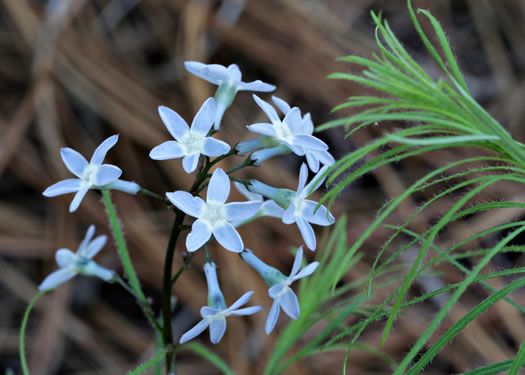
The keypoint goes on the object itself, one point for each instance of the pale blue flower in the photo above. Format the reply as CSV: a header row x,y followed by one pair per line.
x,y
292,134
214,315
189,143
313,157
72,264
268,207
299,209
283,296
214,217
92,175
229,82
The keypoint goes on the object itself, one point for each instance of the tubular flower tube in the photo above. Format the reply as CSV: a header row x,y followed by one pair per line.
x,y
92,175
280,291
72,264
214,315
268,207
215,216
189,143
229,81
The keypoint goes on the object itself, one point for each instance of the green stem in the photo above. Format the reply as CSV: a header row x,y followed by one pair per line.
x,y
146,308
122,248
153,195
248,162
183,268
22,345
167,335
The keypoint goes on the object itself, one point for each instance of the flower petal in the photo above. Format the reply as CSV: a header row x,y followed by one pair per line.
x,y
195,331
70,185
107,174
234,72
209,311
272,317
87,239
267,108
56,278
289,214
307,125
228,237
199,235
239,211
205,117
290,304
313,162
310,142
78,198
217,329
93,269
190,162
214,147
293,120
95,246
186,202
307,232
102,150
173,122
213,73
321,216
247,193
246,311
262,128
65,258
297,262
166,150
272,209
306,271
303,175
255,86
316,181
219,187
274,290
74,162
241,301
281,104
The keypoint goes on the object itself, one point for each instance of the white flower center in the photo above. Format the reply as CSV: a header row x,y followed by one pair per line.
x,y
192,142
300,204
283,132
90,174
214,214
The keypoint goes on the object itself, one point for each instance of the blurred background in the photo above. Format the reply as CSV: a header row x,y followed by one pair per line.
x,y
73,72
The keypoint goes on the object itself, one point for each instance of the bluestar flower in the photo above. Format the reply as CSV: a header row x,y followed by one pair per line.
x,y
268,207
72,264
299,209
286,132
92,175
214,217
214,315
283,296
229,82
189,143
313,157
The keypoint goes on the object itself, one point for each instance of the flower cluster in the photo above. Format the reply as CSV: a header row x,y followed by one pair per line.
x,y
215,219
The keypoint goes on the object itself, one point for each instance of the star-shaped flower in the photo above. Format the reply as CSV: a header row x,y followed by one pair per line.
x,y
229,81
313,157
189,143
283,296
214,315
214,217
92,175
268,207
287,132
72,264
299,209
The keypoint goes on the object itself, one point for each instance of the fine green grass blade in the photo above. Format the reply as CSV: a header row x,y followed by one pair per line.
x,y
152,362
22,335
517,363
208,355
